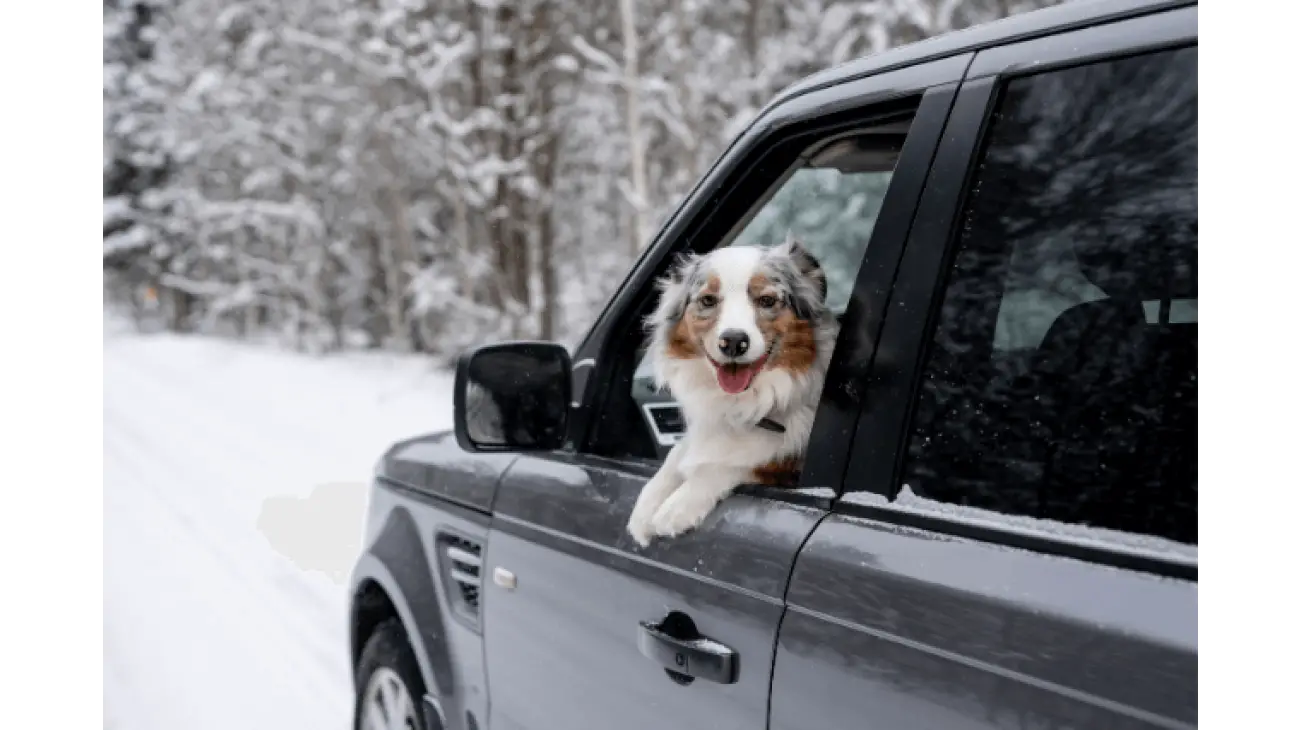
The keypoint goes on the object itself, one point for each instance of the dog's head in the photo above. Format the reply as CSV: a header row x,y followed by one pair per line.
x,y
743,310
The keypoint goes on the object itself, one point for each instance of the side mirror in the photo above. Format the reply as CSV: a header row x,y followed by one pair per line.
x,y
513,397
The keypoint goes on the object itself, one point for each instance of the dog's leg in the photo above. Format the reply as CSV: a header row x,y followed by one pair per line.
x,y
664,483
687,507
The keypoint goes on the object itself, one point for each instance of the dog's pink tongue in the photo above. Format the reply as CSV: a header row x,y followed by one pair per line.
x,y
735,379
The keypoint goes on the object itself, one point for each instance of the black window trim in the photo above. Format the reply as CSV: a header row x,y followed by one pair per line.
x,y
883,425
924,91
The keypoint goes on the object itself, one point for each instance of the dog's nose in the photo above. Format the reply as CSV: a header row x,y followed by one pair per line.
x,y
733,343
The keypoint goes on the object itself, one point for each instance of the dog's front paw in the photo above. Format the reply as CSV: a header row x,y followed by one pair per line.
x,y
641,529
681,513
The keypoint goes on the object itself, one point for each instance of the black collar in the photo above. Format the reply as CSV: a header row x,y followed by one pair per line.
x,y
770,425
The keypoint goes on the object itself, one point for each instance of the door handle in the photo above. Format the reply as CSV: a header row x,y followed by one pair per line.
x,y
700,658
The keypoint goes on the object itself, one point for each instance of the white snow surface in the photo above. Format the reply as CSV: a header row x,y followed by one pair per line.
x,y
205,625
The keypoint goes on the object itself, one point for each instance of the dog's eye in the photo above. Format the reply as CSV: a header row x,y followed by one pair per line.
x,y
707,300
767,301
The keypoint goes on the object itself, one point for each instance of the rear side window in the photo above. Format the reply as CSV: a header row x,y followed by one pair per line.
x,y
1061,379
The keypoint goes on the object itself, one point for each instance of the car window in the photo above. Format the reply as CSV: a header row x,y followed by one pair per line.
x,y
1061,379
829,201
832,213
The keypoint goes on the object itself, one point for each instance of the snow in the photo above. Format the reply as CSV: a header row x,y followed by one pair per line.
x,y
117,210
128,240
205,624
909,501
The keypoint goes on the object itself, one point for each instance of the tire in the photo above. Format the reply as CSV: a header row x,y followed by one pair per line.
x,y
388,659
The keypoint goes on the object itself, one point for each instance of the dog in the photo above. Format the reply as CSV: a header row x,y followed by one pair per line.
x,y
741,338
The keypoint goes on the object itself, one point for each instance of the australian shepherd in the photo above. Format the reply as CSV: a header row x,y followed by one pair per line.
x,y
741,338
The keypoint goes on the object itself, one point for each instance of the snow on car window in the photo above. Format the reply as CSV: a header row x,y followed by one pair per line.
x,y
909,501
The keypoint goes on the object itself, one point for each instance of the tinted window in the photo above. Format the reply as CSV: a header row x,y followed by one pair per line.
x,y
1061,379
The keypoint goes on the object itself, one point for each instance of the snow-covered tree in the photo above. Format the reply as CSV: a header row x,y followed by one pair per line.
x,y
427,175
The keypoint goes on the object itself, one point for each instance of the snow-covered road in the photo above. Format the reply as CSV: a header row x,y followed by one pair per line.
x,y
206,623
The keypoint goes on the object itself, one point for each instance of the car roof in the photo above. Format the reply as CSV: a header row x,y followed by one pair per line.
x,y
1045,21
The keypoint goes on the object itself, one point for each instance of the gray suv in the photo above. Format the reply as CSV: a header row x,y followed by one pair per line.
x,y
996,522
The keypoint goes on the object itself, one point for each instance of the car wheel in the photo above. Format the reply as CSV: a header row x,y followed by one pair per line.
x,y
389,688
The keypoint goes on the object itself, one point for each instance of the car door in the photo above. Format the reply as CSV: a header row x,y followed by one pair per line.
x,y
580,627
1016,545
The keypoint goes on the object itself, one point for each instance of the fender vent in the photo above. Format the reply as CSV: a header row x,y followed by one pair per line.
x,y
462,568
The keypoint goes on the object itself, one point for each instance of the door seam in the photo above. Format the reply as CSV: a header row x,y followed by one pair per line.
x,y
780,622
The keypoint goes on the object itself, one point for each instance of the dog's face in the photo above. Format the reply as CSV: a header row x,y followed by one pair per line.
x,y
743,310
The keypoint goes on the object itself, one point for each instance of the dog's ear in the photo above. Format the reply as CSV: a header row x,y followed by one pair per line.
x,y
809,288
675,291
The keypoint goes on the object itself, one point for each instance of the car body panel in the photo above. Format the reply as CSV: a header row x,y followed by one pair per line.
x,y
425,489
899,624
436,466
562,645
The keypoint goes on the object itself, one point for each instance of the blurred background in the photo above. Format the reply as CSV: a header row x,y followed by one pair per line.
x,y
310,208
422,176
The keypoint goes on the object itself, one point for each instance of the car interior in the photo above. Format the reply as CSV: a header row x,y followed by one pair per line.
x,y
1092,421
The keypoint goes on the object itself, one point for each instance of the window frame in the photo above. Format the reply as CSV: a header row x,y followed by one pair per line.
x,y
726,195
892,388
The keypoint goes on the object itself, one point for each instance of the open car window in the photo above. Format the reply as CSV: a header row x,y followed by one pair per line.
x,y
829,201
